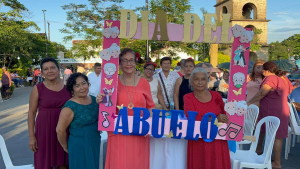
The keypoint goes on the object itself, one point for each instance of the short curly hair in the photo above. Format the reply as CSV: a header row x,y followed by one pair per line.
x,y
72,81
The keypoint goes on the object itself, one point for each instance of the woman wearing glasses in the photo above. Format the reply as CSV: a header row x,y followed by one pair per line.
x,y
254,80
156,91
133,91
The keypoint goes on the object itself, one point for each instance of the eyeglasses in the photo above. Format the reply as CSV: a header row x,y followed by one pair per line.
x,y
125,61
150,70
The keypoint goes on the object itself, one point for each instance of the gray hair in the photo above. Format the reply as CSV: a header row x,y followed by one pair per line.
x,y
197,70
182,62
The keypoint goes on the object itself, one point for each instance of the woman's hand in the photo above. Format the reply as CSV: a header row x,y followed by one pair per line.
x,y
33,144
223,118
100,98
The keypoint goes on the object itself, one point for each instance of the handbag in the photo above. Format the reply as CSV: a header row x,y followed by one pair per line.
x,y
164,90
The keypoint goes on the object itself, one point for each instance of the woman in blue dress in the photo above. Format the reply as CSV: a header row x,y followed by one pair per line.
x,y
80,115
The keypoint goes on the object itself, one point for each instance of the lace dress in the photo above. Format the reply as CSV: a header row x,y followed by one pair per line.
x,y
154,90
84,138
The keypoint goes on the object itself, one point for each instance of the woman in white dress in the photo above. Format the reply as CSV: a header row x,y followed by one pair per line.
x,y
156,91
164,152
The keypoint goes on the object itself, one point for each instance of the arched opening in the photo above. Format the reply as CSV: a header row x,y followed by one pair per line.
x,y
252,56
253,29
224,10
249,11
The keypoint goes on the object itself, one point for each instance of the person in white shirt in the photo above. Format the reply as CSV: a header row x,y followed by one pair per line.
x,y
167,153
95,80
167,79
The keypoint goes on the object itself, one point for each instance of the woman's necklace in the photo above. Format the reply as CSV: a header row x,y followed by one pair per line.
x,y
57,86
130,105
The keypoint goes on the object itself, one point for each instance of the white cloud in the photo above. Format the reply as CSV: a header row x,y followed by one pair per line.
x,y
281,13
282,26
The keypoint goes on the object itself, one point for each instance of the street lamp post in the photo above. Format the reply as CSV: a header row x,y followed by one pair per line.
x,y
45,32
147,42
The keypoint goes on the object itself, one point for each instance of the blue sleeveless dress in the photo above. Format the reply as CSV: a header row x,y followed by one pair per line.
x,y
84,139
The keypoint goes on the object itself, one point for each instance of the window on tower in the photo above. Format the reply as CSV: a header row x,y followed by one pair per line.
x,y
249,11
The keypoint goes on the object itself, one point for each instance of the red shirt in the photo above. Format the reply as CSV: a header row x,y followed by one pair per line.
x,y
36,73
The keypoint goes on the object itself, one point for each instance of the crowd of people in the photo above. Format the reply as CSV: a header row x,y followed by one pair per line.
x,y
64,132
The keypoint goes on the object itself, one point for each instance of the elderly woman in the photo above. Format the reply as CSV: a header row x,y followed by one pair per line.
x,y
48,97
156,91
201,154
80,115
182,84
272,96
254,80
133,91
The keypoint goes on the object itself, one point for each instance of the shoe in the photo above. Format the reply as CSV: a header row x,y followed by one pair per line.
x,y
1,101
5,100
9,98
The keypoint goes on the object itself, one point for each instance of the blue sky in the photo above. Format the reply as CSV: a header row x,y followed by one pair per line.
x,y
284,15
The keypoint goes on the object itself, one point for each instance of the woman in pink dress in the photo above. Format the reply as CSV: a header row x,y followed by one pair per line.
x,y
254,80
48,97
272,96
130,152
201,154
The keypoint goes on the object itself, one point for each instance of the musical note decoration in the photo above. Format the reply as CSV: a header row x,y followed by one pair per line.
x,y
239,92
169,135
232,134
108,82
113,116
120,107
105,123
217,123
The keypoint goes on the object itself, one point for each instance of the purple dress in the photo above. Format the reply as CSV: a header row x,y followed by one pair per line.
x,y
275,103
49,152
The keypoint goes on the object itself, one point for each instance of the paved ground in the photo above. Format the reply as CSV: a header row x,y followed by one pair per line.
x,y
13,127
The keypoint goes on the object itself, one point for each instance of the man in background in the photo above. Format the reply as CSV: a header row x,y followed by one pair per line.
x,y
95,80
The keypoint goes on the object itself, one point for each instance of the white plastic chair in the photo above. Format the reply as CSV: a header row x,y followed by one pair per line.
x,y
294,130
7,161
249,158
249,123
103,141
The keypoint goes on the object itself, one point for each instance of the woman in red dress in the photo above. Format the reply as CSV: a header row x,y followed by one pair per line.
x,y
201,154
130,152
272,96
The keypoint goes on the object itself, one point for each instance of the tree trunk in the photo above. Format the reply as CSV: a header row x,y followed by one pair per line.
x,y
213,51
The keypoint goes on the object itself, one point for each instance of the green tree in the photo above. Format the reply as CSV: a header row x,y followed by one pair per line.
x,y
277,51
174,10
87,21
14,31
255,41
288,47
